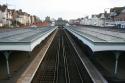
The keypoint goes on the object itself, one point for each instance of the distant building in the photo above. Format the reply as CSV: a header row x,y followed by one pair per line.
x,y
60,22
3,15
75,21
47,19
33,19
118,16
12,16
22,17
40,24
102,20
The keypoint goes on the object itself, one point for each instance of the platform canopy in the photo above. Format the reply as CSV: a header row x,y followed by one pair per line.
x,y
23,39
99,39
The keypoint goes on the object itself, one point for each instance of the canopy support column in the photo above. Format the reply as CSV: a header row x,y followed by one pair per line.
x,y
117,54
6,54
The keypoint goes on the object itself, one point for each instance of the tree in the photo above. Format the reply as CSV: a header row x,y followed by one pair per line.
x,y
16,23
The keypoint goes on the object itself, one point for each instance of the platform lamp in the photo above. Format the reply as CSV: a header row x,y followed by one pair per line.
x,y
7,11
105,16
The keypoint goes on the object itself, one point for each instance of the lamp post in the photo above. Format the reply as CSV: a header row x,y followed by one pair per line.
x,y
6,13
105,16
113,14
14,13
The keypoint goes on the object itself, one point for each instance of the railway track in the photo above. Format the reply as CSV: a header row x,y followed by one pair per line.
x,y
61,64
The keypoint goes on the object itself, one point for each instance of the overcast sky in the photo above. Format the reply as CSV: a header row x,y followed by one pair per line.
x,y
67,9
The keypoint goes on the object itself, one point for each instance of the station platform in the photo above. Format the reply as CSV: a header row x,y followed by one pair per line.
x,y
17,45
99,39
107,46
23,39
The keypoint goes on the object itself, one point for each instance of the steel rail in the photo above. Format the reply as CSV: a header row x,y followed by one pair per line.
x,y
58,60
65,60
74,60
94,74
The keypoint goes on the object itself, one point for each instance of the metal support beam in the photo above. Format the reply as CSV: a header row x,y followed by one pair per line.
x,y
117,54
6,54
